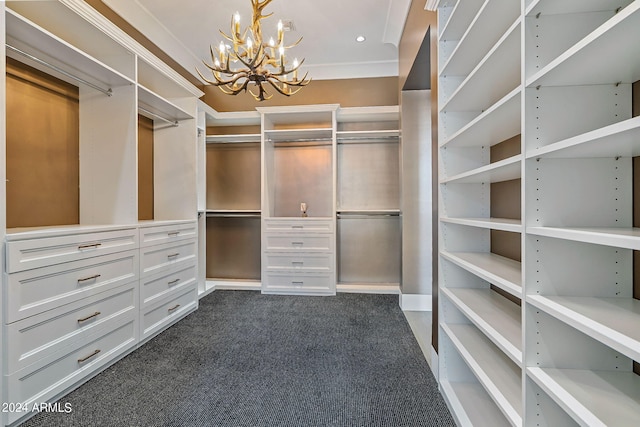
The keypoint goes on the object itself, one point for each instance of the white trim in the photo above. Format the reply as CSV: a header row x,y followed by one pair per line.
x,y
416,302
431,5
368,288
434,364
235,285
396,20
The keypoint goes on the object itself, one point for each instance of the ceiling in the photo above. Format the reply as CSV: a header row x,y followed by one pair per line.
x,y
186,29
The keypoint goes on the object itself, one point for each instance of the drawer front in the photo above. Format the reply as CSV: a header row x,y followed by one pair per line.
x,y
159,315
160,234
155,259
299,283
48,333
299,224
49,377
161,285
35,291
33,253
308,262
299,242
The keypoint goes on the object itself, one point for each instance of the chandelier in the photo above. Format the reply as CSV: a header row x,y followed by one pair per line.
x,y
251,60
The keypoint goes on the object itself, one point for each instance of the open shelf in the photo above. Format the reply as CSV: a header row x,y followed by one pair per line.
x,y
614,44
462,14
41,44
155,104
502,224
295,135
616,140
234,139
498,123
612,321
471,404
592,397
494,370
480,90
503,170
554,7
367,136
627,238
495,269
489,24
498,318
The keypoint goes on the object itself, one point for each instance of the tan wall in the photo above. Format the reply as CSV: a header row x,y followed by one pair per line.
x,y
145,168
347,93
43,137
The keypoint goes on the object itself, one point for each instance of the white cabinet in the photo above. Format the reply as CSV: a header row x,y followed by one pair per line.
x,y
549,338
298,199
168,274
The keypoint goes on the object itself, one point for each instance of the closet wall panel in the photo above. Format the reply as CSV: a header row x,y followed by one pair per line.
x,y
145,168
41,172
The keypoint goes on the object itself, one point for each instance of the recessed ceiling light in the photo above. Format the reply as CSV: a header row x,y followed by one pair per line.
x,y
360,39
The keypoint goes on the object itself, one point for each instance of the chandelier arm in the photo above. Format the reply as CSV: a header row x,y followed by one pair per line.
x,y
302,82
284,71
295,44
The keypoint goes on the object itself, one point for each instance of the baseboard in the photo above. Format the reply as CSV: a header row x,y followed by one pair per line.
x,y
234,285
369,288
416,302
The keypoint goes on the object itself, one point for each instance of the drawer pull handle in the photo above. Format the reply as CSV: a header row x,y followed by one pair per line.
x,y
95,276
297,243
297,283
173,255
173,282
84,359
297,263
173,233
93,245
174,308
84,319
297,226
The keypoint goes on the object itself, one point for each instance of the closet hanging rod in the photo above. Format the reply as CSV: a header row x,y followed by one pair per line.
x,y
233,215
107,92
301,140
173,123
365,139
366,214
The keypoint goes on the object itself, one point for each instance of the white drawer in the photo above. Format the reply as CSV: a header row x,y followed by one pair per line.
x,y
299,242
33,253
158,316
155,259
309,262
56,330
299,283
161,285
159,234
34,291
49,377
299,224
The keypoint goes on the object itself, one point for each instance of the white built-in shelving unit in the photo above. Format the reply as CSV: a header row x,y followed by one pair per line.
x,y
78,297
549,339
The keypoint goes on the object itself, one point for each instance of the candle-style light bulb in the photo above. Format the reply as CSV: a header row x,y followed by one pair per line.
x,y
272,42
222,48
249,46
296,64
281,50
217,63
280,32
236,23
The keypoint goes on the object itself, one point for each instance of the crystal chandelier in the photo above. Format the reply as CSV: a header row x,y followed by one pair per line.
x,y
249,59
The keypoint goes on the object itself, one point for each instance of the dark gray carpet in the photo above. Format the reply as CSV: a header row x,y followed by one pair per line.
x,y
246,359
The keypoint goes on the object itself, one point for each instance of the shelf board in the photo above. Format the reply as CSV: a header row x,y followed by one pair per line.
x,y
502,224
369,212
287,135
495,371
612,321
555,7
156,104
496,124
593,397
489,24
234,213
619,139
471,405
234,139
497,317
627,238
360,135
500,271
461,16
503,170
481,85
615,45
34,40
